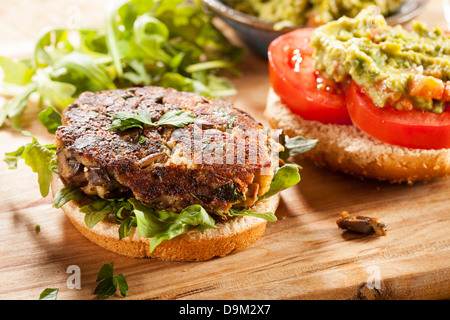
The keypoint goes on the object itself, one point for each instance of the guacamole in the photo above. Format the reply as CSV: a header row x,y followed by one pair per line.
x,y
395,67
309,12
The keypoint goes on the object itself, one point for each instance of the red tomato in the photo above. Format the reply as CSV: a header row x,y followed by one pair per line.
x,y
413,129
295,80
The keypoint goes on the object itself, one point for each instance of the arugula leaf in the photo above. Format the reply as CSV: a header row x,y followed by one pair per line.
x,y
162,225
285,177
16,72
295,146
54,92
85,65
108,285
176,118
11,158
15,107
50,119
125,226
41,159
163,43
67,194
48,294
269,216
127,120
98,209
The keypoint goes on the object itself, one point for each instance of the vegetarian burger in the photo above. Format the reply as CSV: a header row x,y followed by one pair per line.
x,y
153,172
376,97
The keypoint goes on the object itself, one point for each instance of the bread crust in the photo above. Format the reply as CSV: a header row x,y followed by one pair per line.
x,y
231,236
347,149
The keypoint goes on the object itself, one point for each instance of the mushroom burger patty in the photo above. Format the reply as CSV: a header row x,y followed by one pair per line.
x,y
222,158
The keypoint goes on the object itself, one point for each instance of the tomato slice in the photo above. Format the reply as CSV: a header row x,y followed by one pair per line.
x,y
295,80
413,129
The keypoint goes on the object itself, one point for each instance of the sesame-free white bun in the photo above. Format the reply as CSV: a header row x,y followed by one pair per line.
x,y
347,149
231,236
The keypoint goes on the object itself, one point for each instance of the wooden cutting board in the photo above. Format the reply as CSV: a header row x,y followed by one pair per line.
x,y
301,256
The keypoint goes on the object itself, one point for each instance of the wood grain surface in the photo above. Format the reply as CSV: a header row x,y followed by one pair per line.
x,y
301,256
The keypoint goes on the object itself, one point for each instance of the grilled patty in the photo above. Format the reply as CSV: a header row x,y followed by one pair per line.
x,y
223,158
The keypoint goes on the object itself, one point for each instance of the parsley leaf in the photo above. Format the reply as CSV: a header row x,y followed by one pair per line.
x,y
295,146
98,209
269,216
176,118
162,43
126,120
108,285
40,158
67,194
50,118
49,294
164,225
285,177
125,226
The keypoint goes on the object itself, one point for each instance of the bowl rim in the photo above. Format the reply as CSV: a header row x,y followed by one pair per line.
x,y
221,8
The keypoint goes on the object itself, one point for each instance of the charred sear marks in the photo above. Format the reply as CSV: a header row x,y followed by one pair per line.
x,y
222,158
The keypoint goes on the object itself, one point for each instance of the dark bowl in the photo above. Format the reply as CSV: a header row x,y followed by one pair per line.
x,y
258,34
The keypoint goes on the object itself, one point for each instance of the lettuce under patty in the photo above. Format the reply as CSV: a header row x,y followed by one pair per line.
x,y
159,225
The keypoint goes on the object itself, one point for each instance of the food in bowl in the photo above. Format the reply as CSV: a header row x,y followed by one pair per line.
x,y
309,12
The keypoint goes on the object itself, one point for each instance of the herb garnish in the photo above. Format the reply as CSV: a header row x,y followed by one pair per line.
x,y
108,285
162,43
295,146
126,120
48,294
50,118
41,159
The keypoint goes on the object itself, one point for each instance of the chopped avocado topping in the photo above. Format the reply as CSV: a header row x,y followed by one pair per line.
x,y
395,67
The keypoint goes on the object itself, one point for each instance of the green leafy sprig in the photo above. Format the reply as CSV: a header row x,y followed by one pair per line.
x,y
40,158
296,146
126,120
108,282
143,42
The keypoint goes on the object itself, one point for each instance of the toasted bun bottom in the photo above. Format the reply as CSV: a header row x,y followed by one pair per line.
x,y
231,236
348,149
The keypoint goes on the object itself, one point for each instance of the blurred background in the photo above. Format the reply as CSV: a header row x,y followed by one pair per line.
x,y
21,21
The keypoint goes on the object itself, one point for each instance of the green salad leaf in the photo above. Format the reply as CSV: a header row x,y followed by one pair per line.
x,y
160,225
143,42
164,225
269,216
40,158
285,177
14,107
109,282
295,146
49,294
98,209
15,72
156,224
50,119
67,194
126,120
125,226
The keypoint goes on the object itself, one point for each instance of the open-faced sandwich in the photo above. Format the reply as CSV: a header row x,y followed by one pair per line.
x,y
154,172
375,96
